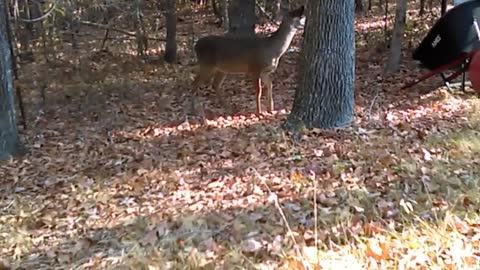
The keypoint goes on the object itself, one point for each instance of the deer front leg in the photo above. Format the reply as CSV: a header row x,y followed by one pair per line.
x,y
203,75
267,80
258,91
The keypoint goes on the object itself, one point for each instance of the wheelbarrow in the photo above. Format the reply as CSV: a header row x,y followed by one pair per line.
x,y
453,43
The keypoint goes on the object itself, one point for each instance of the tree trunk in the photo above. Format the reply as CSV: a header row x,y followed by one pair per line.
x,y
359,6
284,5
443,9
397,37
226,18
273,6
217,11
141,34
385,23
171,22
9,139
422,7
324,97
242,17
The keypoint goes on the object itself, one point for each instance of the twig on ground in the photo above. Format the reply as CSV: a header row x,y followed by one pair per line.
x,y
377,93
273,197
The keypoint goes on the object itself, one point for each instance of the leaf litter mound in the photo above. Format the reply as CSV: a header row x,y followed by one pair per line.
x,y
115,179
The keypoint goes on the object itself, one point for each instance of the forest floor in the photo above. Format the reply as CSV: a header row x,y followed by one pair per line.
x,y
115,180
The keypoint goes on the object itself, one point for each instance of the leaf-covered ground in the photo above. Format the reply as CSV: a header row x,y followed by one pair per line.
x,y
115,180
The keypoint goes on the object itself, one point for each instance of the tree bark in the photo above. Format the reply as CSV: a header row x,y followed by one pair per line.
x,y
9,139
242,17
359,6
284,5
397,37
140,30
324,97
217,11
443,8
171,22
422,7
273,6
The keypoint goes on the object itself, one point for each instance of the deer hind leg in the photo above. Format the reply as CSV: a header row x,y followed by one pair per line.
x,y
218,79
257,81
203,75
267,81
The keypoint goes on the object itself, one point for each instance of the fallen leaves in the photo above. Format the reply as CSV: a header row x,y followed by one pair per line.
x,y
116,177
378,250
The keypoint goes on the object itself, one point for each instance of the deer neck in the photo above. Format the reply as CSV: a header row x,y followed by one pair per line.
x,y
282,38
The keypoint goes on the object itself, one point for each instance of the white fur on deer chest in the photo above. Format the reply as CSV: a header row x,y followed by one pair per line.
x,y
270,65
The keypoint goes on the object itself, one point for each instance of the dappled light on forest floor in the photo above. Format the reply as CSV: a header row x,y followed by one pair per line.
x,y
367,26
116,179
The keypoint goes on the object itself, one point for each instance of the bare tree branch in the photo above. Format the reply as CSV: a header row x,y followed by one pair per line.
x,y
107,27
49,11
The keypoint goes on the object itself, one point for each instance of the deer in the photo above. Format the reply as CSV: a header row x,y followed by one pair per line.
x,y
254,55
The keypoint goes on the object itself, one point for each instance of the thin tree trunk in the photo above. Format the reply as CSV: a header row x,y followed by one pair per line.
x,y
217,11
223,8
422,7
273,6
397,37
385,22
171,22
324,97
359,6
444,4
141,35
284,5
242,17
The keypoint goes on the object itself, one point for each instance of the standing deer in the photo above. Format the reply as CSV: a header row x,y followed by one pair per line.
x,y
253,55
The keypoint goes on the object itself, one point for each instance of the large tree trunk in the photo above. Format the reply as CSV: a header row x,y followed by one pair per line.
x,y
397,37
444,5
9,140
171,22
242,17
325,93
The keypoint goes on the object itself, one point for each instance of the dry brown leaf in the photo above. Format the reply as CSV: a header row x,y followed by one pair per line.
x,y
378,251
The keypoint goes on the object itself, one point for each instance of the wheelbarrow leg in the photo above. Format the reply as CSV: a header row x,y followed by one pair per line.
x,y
464,69
446,82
